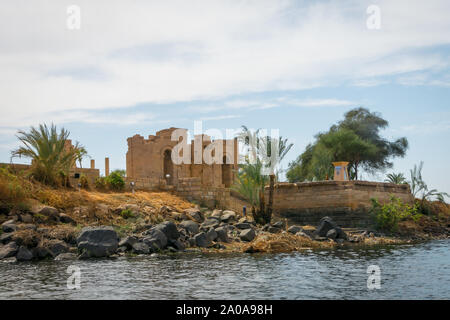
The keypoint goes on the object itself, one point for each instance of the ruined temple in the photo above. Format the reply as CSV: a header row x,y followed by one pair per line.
x,y
149,161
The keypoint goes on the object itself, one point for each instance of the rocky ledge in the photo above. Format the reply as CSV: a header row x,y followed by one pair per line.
x,y
220,230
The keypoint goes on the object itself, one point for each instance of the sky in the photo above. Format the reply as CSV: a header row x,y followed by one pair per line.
x,y
136,67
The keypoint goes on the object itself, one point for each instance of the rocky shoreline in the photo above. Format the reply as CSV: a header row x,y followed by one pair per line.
x,y
47,233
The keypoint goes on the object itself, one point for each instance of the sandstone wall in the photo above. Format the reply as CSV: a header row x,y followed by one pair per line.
x,y
16,167
213,197
91,175
150,159
347,202
148,184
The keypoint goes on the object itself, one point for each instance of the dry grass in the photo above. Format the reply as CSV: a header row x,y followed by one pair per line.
x,y
27,237
62,232
97,208
14,189
379,241
284,242
69,199
87,207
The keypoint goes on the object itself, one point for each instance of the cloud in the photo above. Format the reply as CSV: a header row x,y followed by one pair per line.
x,y
223,117
311,103
427,127
159,52
267,103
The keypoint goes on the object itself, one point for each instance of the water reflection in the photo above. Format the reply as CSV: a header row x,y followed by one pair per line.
x,y
408,272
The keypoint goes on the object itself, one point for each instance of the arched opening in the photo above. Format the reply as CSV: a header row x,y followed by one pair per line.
x,y
227,174
168,167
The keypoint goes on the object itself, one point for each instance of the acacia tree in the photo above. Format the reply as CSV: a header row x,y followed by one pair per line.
x,y
355,139
345,144
367,125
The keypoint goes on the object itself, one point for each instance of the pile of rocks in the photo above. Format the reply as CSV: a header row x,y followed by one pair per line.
x,y
328,229
22,240
26,241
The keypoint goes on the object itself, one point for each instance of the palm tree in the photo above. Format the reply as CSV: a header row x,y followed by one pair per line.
x,y
51,159
81,153
418,185
261,159
250,184
397,178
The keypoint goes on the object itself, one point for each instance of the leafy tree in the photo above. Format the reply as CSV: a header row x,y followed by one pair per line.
x,y
51,159
345,144
115,180
300,170
367,126
122,172
355,139
397,178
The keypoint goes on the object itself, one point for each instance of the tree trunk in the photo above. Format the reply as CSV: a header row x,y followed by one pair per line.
x,y
261,204
270,205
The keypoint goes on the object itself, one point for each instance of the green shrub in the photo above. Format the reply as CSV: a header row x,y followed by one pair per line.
x,y
115,181
84,182
100,183
127,213
388,215
13,190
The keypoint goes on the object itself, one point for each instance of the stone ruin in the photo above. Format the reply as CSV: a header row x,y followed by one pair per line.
x,y
149,161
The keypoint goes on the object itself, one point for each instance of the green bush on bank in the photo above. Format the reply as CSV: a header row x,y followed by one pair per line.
x,y
114,181
388,215
127,213
13,190
100,183
84,182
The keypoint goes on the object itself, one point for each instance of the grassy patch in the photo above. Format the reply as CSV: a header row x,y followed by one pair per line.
x,y
127,213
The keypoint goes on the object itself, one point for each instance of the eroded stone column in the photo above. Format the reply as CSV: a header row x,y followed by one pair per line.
x,y
106,166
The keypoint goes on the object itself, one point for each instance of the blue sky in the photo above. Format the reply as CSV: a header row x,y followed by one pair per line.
x,y
296,66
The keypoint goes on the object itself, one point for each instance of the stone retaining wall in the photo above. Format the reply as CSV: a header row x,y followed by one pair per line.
x,y
74,173
149,184
347,202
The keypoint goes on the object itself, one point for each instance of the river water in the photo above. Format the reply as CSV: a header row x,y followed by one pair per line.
x,y
419,271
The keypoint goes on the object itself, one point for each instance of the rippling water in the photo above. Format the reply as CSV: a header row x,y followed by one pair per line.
x,y
418,271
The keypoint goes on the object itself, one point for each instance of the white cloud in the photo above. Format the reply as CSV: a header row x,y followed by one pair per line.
x,y
153,51
311,103
267,103
426,127
223,117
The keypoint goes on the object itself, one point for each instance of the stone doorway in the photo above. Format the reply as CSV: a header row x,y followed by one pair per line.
x,y
168,167
226,173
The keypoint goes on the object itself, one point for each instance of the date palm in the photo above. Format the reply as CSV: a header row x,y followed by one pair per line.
x,y
397,178
50,157
265,154
419,187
